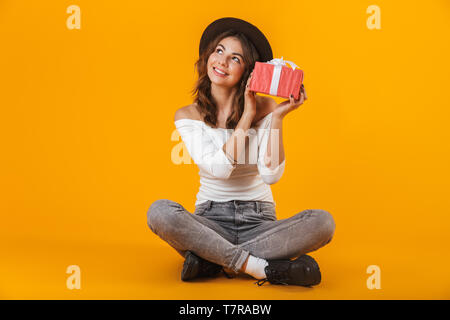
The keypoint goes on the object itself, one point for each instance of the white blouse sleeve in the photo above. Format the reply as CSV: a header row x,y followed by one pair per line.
x,y
269,176
203,150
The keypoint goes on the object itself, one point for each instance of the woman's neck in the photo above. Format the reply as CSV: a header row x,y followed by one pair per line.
x,y
224,97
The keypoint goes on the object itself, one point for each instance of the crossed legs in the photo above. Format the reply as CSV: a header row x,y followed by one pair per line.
x,y
282,239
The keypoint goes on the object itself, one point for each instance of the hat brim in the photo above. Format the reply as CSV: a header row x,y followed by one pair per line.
x,y
258,39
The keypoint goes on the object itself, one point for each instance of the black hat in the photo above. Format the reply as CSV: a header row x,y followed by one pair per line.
x,y
250,31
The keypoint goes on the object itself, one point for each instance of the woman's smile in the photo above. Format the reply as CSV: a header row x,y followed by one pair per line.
x,y
219,72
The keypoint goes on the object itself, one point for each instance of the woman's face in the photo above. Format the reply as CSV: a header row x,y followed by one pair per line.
x,y
226,63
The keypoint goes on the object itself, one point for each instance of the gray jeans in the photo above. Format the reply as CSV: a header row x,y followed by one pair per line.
x,y
225,233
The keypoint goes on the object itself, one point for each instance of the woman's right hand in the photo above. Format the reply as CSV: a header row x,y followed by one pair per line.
x,y
249,98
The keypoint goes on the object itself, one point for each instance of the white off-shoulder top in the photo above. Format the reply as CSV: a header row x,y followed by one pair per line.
x,y
220,180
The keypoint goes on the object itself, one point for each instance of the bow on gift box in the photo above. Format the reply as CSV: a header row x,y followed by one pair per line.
x,y
278,63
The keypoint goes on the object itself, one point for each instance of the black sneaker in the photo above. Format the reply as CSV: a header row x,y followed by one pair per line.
x,y
196,267
303,271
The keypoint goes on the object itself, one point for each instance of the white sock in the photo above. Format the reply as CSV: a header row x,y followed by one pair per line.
x,y
255,267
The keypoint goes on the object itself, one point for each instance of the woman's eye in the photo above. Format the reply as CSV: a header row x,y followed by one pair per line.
x,y
220,50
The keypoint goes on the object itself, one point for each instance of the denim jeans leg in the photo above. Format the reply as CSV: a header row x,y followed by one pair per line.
x,y
289,238
185,231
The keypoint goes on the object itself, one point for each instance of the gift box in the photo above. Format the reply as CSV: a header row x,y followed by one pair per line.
x,y
276,79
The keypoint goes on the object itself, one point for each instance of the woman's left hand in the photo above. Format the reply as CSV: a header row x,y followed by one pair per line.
x,y
287,106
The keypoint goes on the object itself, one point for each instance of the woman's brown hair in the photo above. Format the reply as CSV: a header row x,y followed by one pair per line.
x,y
202,90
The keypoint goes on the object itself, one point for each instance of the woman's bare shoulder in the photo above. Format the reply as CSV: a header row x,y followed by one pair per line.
x,y
188,112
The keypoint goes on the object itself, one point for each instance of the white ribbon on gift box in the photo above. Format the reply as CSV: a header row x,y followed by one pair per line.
x,y
278,63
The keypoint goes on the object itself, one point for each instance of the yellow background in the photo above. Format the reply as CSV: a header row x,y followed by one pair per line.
x,y
87,116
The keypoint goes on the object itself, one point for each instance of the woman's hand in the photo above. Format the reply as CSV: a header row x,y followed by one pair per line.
x,y
287,106
250,98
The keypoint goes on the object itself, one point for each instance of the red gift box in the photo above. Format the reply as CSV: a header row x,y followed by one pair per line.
x,y
276,79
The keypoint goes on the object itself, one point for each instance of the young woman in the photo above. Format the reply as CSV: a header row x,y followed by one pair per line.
x,y
234,227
